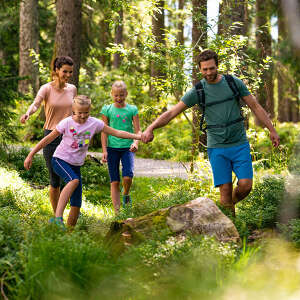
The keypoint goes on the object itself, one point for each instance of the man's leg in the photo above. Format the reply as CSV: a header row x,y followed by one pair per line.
x,y
226,196
242,190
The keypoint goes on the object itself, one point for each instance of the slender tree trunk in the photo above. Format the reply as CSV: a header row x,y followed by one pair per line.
x,y
118,39
199,40
68,32
158,31
104,40
264,48
231,11
29,37
283,101
180,34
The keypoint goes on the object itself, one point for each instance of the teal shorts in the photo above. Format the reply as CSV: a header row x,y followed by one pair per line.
x,y
235,159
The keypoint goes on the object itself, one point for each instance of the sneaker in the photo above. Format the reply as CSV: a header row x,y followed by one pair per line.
x,y
126,200
58,221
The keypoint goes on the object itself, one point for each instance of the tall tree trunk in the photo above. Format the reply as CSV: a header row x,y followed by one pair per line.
x,y
199,40
158,31
29,37
231,11
68,32
264,48
118,39
104,40
180,28
283,101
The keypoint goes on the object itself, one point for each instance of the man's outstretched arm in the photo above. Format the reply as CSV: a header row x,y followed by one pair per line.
x,y
262,116
162,120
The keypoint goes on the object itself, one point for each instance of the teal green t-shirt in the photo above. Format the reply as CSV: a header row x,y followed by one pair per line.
x,y
222,113
121,119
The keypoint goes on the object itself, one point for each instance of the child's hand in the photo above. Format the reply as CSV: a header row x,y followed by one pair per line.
x,y
28,162
104,157
134,147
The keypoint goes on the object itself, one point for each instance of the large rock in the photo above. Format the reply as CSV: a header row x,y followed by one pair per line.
x,y
199,216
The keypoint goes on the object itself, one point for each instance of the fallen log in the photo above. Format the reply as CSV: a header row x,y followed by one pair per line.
x,y
200,216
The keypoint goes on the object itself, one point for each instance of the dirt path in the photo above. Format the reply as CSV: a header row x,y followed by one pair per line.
x,y
145,167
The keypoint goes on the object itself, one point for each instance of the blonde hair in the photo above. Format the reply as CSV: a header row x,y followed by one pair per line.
x,y
119,84
82,100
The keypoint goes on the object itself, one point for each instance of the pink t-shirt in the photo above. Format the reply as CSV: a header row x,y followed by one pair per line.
x,y
76,139
58,103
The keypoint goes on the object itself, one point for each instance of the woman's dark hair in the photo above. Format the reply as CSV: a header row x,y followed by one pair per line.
x,y
58,62
62,60
207,55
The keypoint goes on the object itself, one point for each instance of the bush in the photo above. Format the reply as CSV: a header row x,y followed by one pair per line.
x,y
292,231
261,208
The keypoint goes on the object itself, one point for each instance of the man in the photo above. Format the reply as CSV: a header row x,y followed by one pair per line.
x,y
228,147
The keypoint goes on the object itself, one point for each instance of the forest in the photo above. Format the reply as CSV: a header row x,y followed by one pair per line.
x,y
153,46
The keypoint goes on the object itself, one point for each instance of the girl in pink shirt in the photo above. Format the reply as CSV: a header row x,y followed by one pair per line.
x,y
77,132
57,97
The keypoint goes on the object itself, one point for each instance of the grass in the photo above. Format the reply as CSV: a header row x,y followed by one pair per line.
x,y
38,261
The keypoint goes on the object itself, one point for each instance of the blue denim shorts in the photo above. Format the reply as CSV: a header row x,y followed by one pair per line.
x,y
114,157
68,173
235,159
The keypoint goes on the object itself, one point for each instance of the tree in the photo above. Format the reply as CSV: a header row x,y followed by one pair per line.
x,y
233,17
158,31
118,38
29,38
264,49
199,40
68,32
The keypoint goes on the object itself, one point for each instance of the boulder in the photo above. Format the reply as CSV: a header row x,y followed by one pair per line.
x,y
200,216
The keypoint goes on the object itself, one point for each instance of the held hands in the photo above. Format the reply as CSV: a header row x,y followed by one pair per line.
x,y
24,118
274,137
28,162
147,136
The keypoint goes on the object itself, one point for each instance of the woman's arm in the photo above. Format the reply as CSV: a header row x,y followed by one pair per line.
x,y
35,105
120,133
41,144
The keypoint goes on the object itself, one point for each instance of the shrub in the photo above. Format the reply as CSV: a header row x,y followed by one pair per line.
x,y
261,208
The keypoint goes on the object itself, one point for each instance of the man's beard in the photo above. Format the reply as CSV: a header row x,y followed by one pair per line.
x,y
211,77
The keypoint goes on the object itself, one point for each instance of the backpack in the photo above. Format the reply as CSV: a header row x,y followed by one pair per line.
x,y
201,102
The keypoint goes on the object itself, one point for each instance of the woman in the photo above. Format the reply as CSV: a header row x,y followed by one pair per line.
x,y
57,97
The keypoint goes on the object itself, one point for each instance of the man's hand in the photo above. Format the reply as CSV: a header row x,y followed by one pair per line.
x,y
134,147
274,137
104,157
147,136
28,162
24,118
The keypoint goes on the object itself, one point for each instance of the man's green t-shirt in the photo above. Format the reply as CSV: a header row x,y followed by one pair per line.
x,y
121,119
222,113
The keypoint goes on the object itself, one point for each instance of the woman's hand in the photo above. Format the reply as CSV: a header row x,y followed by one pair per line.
x,y
28,162
24,118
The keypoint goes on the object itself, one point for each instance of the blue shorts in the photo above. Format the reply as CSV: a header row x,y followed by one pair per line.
x,y
68,173
114,156
235,159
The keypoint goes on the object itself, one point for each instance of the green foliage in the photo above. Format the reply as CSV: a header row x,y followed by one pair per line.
x,y
292,231
261,208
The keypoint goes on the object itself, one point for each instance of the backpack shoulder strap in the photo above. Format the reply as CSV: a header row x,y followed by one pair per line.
x,y
232,84
201,102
